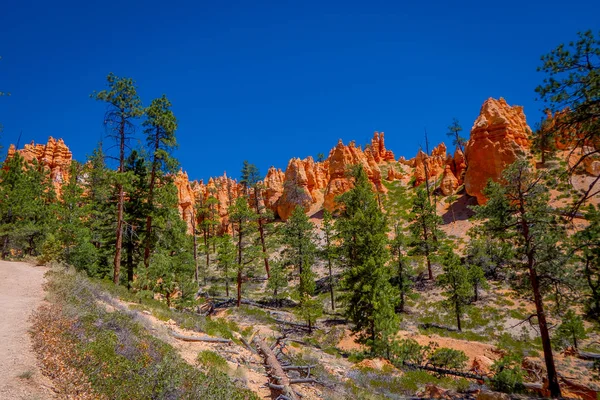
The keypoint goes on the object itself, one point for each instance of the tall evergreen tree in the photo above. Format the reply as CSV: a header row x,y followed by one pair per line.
x,y
370,299
26,206
244,220
100,200
424,229
160,129
455,281
518,212
300,251
328,253
73,230
250,180
124,107
136,208
585,246
403,273
226,259
572,83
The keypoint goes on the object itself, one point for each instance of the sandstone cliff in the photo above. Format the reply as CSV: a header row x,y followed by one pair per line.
x,y
499,136
54,156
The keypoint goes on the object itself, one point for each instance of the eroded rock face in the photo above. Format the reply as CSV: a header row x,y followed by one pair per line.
x,y
430,166
340,159
295,189
186,198
449,183
500,135
378,150
55,156
273,187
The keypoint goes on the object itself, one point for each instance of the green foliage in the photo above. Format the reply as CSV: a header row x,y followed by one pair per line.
x,y
244,219
160,126
370,298
226,260
212,361
454,130
508,375
424,225
448,358
51,250
329,252
401,278
518,212
250,176
278,280
458,287
586,249
118,357
27,210
570,331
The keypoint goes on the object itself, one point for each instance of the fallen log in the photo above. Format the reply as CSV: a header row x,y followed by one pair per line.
x,y
199,338
445,371
294,324
279,383
584,355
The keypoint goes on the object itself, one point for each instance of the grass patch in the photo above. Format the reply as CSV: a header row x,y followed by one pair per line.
x,y
211,360
25,375
110,355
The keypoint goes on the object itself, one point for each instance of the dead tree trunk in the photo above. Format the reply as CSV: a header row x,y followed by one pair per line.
x,y
279,383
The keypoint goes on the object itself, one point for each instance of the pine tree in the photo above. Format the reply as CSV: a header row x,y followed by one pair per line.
x,y
455,281
370,299
100,201
278,280
572,83
454,131
160,130
328,253
135,210
124,107
300,251
401,279
424,229
518,212
73,231
585,247
571,329
243,219
27,200
250,180
226,259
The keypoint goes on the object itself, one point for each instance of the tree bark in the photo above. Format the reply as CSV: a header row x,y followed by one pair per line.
x,y
278,379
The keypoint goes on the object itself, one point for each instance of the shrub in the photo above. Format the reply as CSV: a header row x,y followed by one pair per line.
x,y
211,360
508,377
448,358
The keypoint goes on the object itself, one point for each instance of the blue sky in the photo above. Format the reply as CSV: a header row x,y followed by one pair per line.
x,y
267,81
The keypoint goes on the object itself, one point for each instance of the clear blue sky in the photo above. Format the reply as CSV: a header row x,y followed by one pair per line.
x,y
267,81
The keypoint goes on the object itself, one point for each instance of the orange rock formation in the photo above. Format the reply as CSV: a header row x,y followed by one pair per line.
x,y
499,136
340,158
433,165
55,156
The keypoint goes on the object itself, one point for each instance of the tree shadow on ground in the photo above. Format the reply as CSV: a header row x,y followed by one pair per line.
x,y
459,210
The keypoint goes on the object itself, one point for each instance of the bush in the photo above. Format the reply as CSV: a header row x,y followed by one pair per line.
x,y
448,358
211,360
114,356
508,377
51,250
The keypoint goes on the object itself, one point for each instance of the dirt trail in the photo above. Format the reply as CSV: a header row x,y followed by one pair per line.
x,y
20,293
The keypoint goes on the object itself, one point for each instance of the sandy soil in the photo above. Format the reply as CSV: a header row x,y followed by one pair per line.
x,y
20,293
